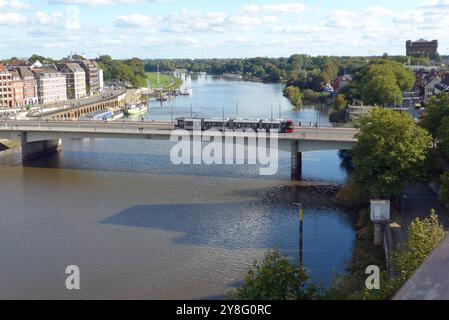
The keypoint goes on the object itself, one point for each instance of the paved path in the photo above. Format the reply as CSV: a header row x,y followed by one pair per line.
x,y
420,200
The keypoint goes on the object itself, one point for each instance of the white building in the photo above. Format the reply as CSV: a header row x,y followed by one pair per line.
x,y
76,80
51,86
100,80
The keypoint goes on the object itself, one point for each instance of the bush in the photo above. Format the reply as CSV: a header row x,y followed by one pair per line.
x,y
294,95
352,196
310,95
275,278
423,237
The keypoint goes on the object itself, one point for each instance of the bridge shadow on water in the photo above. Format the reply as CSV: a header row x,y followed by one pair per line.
x,y
236,226
227,225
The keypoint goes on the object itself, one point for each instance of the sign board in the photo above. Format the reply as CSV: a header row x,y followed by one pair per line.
x,y
380,210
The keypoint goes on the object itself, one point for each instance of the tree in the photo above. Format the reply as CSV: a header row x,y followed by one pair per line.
x,y
294,95
132,71
436,110
443,136
391,150
423,237
383,82
276,279
338,113
379,86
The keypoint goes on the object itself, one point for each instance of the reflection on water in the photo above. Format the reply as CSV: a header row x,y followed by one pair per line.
x,y
140,227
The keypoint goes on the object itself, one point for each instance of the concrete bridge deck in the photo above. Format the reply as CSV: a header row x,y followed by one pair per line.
x,y
44,136
158,129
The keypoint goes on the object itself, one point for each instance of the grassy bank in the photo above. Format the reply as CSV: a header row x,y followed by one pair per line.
x,y
166,81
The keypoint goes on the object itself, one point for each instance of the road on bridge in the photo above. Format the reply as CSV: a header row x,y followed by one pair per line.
x,y
161,128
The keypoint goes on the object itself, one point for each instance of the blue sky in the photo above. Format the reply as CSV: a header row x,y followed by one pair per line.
x,y
207,28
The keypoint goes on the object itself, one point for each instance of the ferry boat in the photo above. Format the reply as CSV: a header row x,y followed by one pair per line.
x,y
135,109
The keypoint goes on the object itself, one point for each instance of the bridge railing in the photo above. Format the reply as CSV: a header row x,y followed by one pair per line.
x,y
306,125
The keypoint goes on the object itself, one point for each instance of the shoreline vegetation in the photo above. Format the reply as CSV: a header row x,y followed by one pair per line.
x,y
391,152
166,81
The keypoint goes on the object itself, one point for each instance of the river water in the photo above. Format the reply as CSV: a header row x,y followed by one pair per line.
x,y
139,227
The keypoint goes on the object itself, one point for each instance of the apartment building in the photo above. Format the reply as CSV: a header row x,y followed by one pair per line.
x,y
51,86
6,91
30,95
17,90
91,70
75,79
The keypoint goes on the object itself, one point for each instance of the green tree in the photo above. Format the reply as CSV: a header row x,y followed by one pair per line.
x,y
294,95
436,110
383,82
391,150
379,86
443,136
276,278
338,113
423,237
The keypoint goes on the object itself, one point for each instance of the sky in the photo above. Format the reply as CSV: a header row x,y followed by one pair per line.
x,y
218,29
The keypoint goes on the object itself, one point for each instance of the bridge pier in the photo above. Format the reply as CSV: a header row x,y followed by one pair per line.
x,y
296,162
37,149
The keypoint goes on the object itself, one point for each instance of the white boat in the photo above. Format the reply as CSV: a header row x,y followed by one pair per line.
x,y
186,92
135,109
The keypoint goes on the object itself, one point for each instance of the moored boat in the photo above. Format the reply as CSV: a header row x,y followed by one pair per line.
x,y
135,109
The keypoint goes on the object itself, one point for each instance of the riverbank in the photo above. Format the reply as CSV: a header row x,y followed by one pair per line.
x,y
165,81
8,144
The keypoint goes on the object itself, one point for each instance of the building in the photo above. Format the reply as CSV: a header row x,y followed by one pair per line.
x,y
76,79
6,91
92,72
51,86
17,90
443,86
100,80
341,81
422,48
429,88
30,95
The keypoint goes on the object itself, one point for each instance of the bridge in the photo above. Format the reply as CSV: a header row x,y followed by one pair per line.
x,y
40,137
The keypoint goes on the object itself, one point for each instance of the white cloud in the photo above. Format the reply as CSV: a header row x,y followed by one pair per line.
x,y
133,21
14,5
12,19
102,2
94,2
282,8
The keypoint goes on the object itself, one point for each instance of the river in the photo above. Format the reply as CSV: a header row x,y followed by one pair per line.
x,y
139,227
